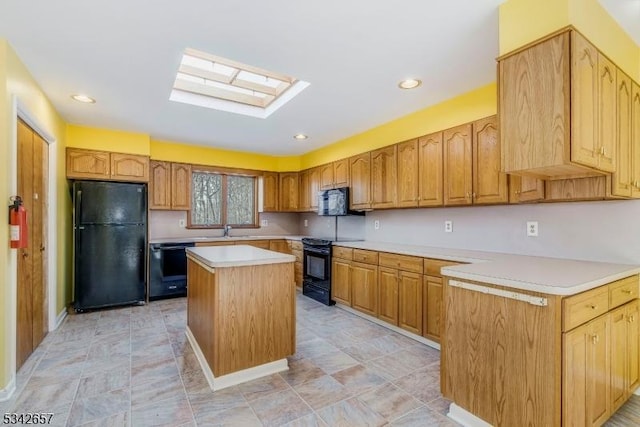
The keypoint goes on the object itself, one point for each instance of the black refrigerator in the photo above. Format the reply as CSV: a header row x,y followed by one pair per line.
x,y
110,240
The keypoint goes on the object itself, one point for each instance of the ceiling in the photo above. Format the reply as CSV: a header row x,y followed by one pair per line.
x,y
353,53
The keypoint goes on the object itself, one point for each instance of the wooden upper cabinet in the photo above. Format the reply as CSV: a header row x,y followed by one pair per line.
x,y
129,167
304,197
160,185
360,179
326,176
635,136
91,164
384,177
622,184
180,186
525,189
270,184
314,187
458,182
288,192
489,182
558,109
341,173
88,164
430,165
408,174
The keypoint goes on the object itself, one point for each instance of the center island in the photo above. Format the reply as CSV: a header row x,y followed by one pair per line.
x,y
241,312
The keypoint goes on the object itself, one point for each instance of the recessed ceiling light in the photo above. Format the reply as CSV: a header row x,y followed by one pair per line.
x,y
300,136
83,98
409,84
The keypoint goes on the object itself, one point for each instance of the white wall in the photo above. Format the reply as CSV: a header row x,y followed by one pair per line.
x,y
600,231
166,224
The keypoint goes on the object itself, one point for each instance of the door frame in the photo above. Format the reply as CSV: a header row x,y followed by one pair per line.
x,y
22,111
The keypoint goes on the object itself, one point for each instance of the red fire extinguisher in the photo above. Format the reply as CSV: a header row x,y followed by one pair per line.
x,y
18,223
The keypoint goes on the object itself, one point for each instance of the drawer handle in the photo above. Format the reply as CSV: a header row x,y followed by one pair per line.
x,y
595,339
592,306
627,291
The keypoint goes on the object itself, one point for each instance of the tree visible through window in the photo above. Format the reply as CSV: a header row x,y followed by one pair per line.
x,y
219,199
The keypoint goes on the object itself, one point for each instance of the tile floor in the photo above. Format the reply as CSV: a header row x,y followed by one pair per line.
x,y
133,367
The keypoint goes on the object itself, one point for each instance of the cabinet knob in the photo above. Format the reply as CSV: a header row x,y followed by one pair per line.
x,y
517,192
631,319
473,194
592,306
595,339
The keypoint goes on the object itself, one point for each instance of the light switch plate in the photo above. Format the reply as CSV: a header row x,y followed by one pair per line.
x,y
532,228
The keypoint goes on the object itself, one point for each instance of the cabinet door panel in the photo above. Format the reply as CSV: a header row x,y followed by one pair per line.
x,y
314,187
364,288
598,379
180,186
270,183
410,302
607,110
326,176
341,281
304,197
88,164
489,182
635,135
574,379
622,177
430,160
129,167
408,174
341,173
388,295
384,177
160,185
458,166
618,357
525,189
633,349
360,179
432,307
288,192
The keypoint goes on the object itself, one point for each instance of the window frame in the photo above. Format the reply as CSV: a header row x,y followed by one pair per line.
x,y
224,174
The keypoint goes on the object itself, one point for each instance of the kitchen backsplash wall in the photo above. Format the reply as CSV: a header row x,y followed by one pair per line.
x,y
599,231
349,227
166,224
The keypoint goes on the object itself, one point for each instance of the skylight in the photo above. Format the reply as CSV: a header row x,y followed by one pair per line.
x,y
211,81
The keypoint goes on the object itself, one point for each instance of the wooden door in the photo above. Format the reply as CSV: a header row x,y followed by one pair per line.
x,y
326,176
458,163
160,185
388,295
525,189
489,182
341,281
360,179
364,288
607,106
314,187
618,357
31,286
180,186
129,167
430,163
432,306
585,145
410,302
384,177
304,197
408,174
622,176
270,184
288,191
341,173
633,346
635,135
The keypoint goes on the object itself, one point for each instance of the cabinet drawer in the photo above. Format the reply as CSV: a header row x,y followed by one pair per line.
x,y
368,257
583,307
432,266
401,262
622,291
344,253
296,245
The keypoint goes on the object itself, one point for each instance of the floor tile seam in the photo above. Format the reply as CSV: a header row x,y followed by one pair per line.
x,y
302,399
390,420
184,388
411,394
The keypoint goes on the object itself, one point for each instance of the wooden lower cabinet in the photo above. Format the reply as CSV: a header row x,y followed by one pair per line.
x,y
341,280
410,302
364,288
432,314
388,295
625,360
279,246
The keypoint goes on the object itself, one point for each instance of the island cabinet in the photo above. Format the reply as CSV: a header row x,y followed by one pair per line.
x,y
540,359
360,179
103,165
575,103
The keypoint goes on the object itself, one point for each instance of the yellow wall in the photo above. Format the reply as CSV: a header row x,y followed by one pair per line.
x,y
523,21
107,140
15,79
473,105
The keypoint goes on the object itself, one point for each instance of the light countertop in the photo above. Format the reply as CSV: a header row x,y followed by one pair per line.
x,y
221,239
236,256
553,276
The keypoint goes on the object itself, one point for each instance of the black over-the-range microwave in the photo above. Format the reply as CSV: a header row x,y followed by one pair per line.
x,y
335,202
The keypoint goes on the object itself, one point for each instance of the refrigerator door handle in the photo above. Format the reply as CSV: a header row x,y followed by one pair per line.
x,y
78,204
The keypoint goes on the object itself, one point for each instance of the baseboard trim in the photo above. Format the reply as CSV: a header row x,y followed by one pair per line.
x,y
466,418
7,392
234,378
60,318
394,328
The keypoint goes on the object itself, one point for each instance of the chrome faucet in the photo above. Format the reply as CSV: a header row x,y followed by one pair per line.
x,y
227,229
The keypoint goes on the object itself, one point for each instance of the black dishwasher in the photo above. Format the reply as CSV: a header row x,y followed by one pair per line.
x,y
168,270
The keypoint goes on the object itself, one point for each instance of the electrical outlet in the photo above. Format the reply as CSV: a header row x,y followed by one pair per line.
x,y
376,225
306,222
532,228
448,226
264,223
181,223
